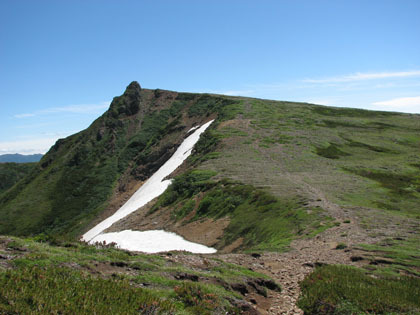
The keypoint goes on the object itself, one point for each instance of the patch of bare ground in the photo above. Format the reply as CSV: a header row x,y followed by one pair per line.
x,y
289,268
120,195
207,232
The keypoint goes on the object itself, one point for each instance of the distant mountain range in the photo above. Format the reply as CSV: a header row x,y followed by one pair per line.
x,y
20,158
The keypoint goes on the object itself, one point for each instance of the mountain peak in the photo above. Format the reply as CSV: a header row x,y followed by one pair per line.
x,y
133,86
129,102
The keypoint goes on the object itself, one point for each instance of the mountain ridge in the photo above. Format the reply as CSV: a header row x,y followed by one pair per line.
x,y
291,190
20,158
143,127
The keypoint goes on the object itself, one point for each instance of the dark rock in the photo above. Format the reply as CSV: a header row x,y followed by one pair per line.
x,y
186,276
100,134
119,264
253,301
70,245
256,255
356,258
319,264
260,290
239,287
128,103
16,248
381,261
158,93
308,264
269,284
245,308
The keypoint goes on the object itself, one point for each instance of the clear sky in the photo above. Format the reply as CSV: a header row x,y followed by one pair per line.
x,y
61,62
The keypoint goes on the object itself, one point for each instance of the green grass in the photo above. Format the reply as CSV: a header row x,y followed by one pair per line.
x,y
75,180
84,279
349,112
265,222
332,151
206,104
58,290
402,254
398,184
337,289
11,173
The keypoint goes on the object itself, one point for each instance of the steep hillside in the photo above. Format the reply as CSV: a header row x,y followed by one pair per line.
x,y
309,167
303,168
88,174
11,173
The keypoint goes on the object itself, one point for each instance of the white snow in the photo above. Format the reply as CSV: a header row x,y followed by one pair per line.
x,y
151,189
153,241
193,128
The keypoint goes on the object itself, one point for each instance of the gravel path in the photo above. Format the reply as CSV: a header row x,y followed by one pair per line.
x,y
289,268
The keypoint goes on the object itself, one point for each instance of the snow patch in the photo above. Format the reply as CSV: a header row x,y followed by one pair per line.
x,y
193,128
151,189
153,241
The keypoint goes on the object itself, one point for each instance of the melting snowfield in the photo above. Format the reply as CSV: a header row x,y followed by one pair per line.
x,y
153,241
152,188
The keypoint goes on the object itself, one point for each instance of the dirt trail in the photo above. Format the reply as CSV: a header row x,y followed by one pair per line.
x,y
289,268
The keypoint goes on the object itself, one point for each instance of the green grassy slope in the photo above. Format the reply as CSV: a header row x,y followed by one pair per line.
x,y
354,157
305,158
339,289
73,278
280,159
11,173
74,181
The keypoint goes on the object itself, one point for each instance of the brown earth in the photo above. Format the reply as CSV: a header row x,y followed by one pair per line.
x,y
207,232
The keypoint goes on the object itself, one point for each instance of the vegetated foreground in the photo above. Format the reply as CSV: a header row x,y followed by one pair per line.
x,y
72,278
277,187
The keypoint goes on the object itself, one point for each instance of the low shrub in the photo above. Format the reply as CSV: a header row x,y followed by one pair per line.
x,y
338,289
56,290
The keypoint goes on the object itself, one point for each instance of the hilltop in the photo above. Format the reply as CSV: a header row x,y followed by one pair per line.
x,y
295,184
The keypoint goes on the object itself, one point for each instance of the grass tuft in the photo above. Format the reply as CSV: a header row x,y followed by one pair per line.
x,y
337,289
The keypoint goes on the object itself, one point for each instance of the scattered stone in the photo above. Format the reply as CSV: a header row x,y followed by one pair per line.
x,y
308,264
260,290
246,308
186,276
119,264
240,287
381,261
269,284
356,258
319,264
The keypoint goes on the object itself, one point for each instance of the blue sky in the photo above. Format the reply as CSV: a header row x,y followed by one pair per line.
x,y
61,62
